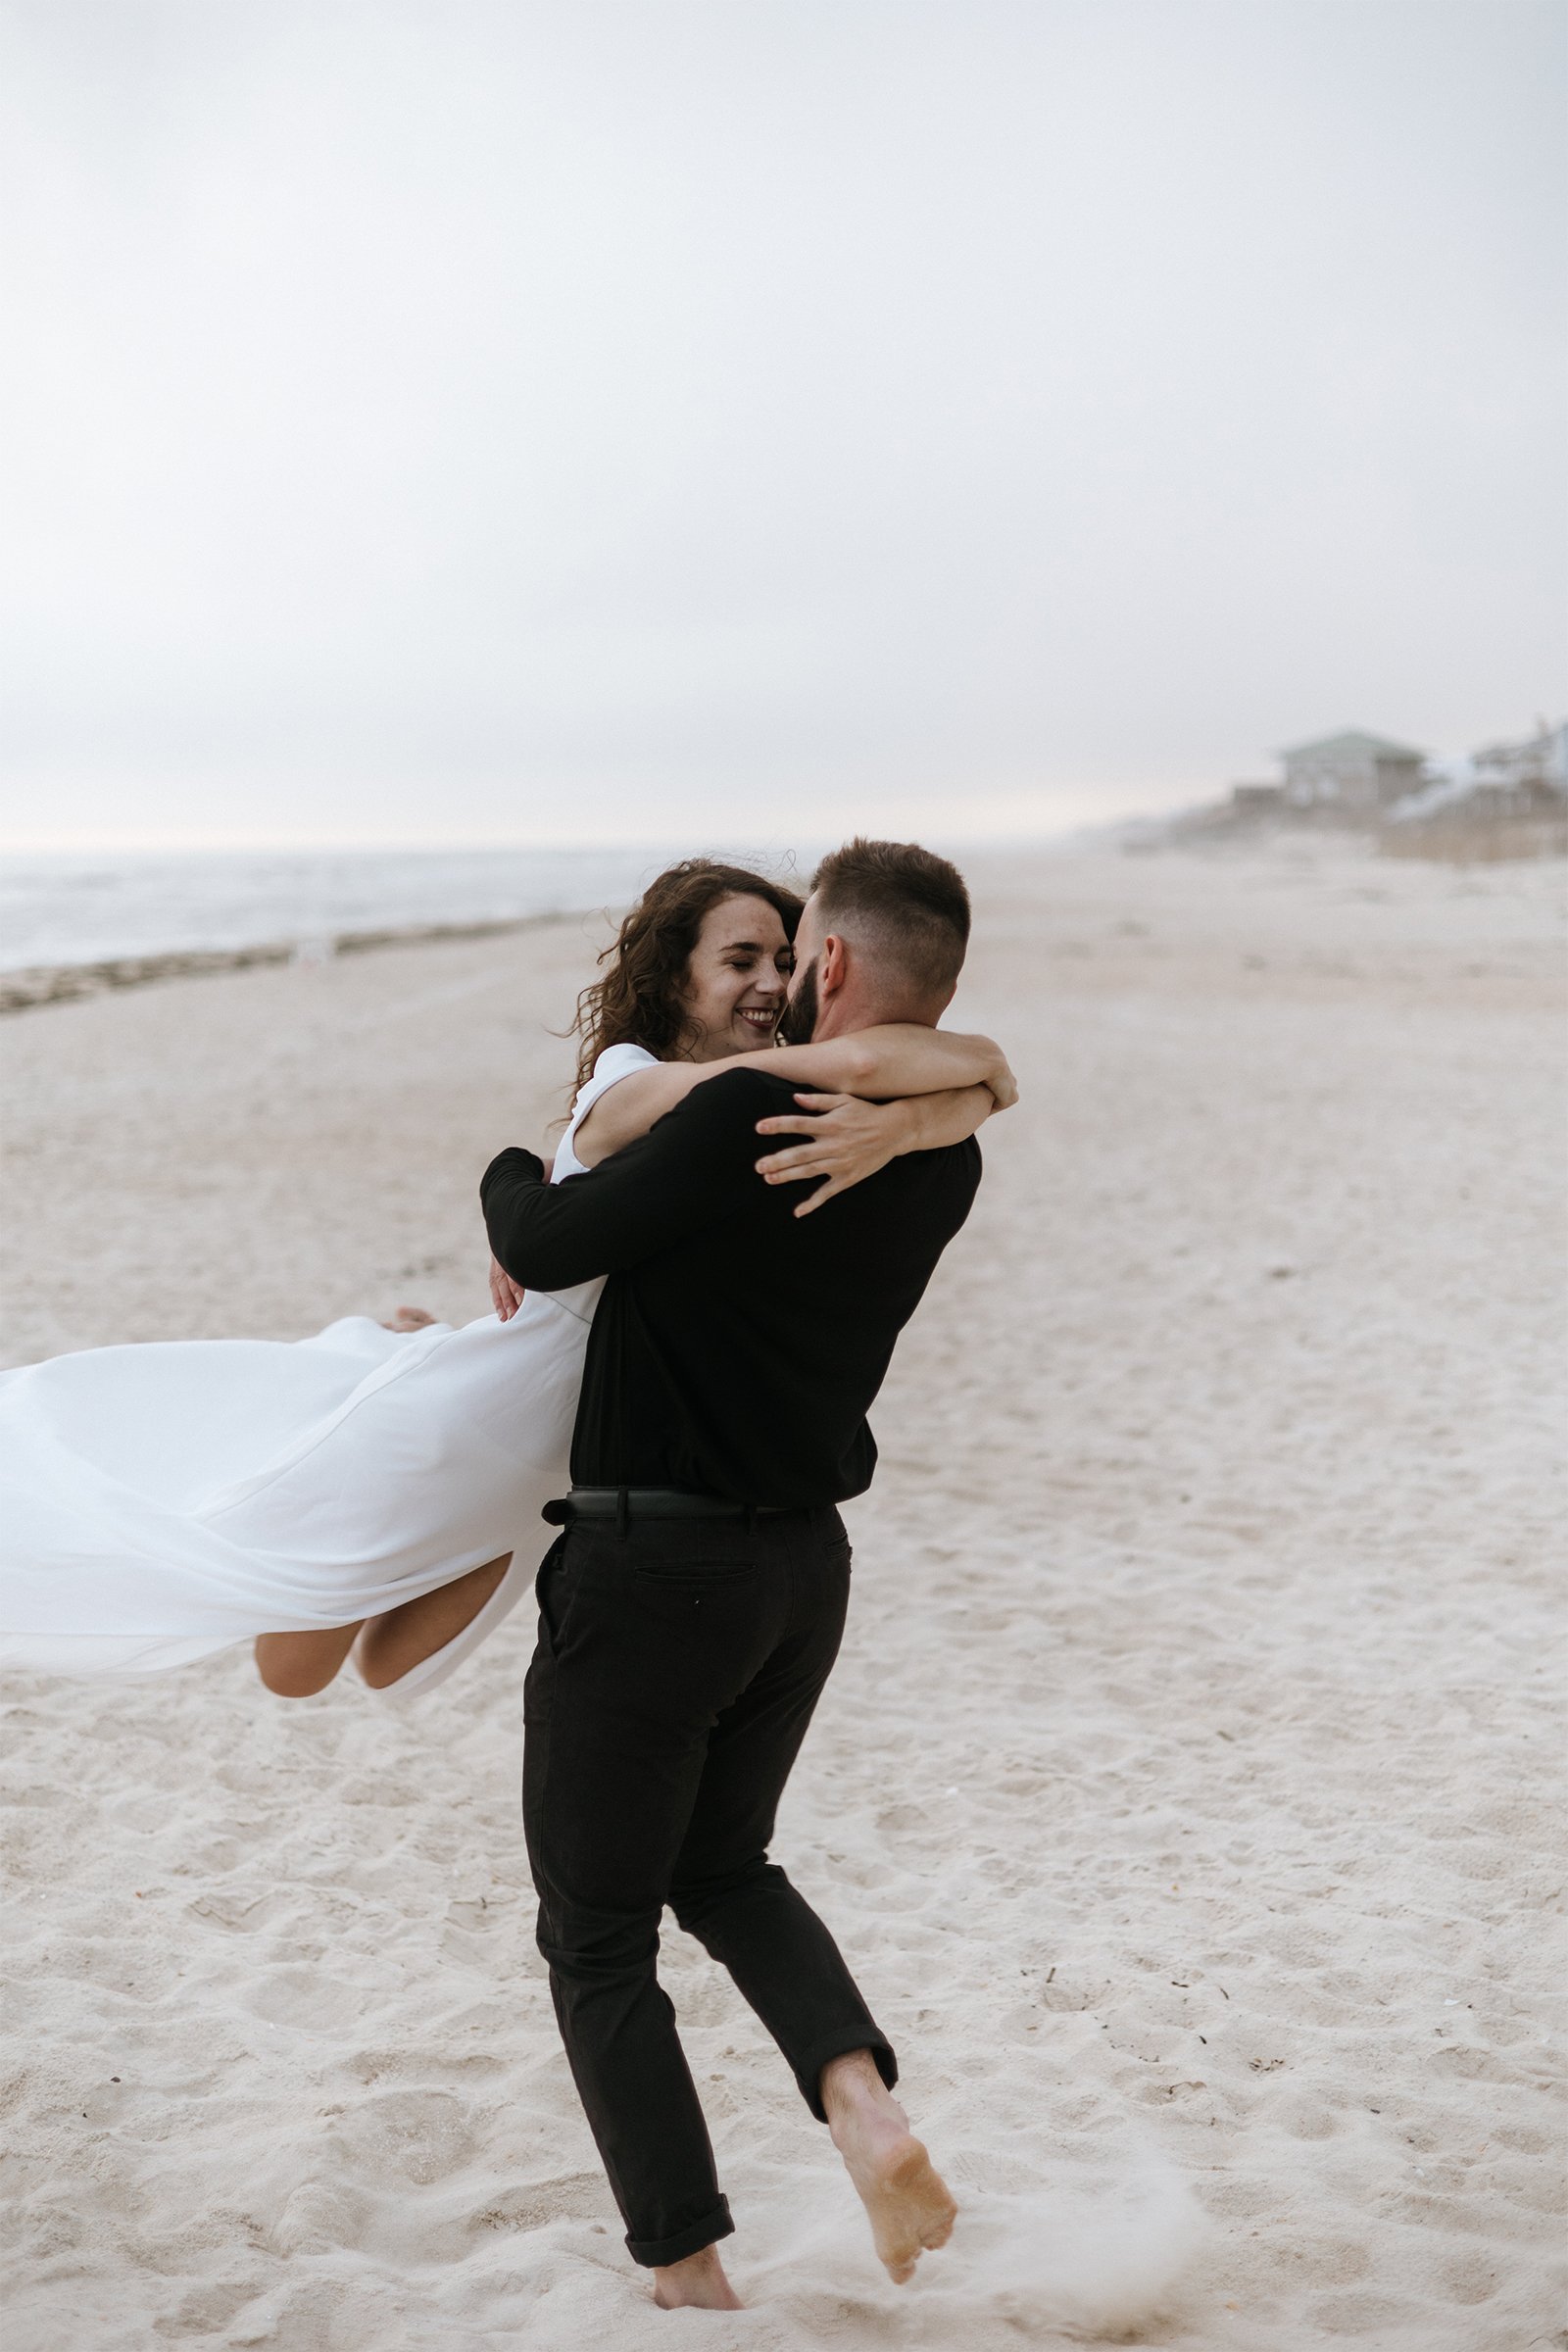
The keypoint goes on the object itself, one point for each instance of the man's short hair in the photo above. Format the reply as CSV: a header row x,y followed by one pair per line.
x,y
910,903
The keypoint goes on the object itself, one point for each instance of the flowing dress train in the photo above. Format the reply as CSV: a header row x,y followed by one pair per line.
x,y
162,1501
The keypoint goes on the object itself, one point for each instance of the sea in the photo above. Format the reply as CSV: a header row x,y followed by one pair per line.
x,y
78,907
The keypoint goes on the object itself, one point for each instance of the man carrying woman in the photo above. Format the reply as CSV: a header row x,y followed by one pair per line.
x,y
692,1608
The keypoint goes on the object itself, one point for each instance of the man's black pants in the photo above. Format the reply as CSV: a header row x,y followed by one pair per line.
x,y
677,1668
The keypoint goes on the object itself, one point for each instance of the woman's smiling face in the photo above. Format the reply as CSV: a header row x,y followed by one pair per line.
x,y
735,979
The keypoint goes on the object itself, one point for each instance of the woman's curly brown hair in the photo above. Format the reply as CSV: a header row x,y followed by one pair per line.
x,y
638,1001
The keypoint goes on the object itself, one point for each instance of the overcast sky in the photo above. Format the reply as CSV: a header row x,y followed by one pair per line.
x,y
475,421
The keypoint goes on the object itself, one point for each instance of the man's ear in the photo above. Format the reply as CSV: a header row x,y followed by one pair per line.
x,y
833,966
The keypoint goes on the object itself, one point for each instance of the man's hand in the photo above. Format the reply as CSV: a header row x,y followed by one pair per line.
x,y
849,1141
503,1293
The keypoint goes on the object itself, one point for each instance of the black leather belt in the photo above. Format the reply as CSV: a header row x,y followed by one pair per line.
x,y
625,1503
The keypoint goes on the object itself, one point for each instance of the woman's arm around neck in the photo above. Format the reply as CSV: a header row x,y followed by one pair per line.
x,y
894,1060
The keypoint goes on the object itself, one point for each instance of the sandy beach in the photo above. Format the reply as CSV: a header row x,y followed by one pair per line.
x,y
1183,1797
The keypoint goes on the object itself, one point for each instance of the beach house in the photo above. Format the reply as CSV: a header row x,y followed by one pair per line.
x,y
1354,772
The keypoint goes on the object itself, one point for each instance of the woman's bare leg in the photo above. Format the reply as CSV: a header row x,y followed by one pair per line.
x,y
403,1635
297,1665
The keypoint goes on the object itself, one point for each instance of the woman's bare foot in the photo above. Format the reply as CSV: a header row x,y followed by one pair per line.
x,y
698,2283
402,1638
407,1318
906,2202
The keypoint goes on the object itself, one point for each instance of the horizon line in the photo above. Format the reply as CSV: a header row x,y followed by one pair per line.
x,y
296,845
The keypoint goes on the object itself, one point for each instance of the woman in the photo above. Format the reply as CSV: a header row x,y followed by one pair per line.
x,y
381,1490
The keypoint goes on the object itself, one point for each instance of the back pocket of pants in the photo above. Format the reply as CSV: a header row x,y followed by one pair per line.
x,y
697,1552
697,1573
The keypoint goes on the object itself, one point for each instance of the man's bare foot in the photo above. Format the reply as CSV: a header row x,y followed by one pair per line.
x,y
698,2283
407,1318
906,2202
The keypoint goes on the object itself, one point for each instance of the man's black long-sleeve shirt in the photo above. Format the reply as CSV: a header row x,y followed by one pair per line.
x,y
737,1347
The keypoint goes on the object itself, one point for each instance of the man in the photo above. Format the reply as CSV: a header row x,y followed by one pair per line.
x,y
691,1611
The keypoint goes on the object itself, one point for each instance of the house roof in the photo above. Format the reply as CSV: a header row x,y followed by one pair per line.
x,y
1356,740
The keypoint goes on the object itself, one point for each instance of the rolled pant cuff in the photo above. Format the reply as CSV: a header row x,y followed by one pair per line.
x,y
809,2073
656,2252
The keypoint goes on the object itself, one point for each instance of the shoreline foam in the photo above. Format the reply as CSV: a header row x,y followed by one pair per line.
x,y
32,986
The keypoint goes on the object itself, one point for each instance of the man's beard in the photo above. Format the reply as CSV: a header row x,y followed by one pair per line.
x,y
798,1021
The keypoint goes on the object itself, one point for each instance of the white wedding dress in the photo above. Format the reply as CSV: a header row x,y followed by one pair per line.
x,y
164,1501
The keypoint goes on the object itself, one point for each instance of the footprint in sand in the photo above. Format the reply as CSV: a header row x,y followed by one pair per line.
x,y
313,2004
419,2136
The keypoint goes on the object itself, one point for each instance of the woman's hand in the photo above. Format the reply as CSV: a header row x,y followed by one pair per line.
x,y
849,1141
1003,1085
504,1296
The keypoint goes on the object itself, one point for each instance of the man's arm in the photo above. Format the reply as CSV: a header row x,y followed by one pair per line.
x,y
691,1171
